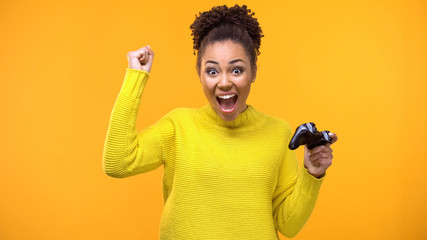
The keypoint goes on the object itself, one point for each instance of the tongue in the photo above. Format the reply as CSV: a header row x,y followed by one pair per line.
x,y
227,103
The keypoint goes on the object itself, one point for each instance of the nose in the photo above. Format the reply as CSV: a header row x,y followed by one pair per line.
x,y
225,82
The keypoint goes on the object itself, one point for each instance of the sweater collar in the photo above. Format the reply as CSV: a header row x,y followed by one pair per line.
x,y
250,118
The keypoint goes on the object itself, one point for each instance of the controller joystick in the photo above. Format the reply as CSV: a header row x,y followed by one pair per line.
x,y
307,134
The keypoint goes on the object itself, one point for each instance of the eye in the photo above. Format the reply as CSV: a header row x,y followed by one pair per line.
x,y
211,71
237,71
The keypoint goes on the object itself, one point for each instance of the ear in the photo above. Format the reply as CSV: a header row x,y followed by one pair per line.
x,y
198,73
253,76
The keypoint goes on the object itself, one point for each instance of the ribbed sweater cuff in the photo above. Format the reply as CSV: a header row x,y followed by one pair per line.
x,y
310,185
134,83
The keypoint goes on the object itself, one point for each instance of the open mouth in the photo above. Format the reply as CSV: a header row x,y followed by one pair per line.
x,y
227,102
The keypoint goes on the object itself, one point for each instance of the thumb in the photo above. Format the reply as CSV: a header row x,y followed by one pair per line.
x,y
306,155
135,58
134,63
150,51
149,59
334,137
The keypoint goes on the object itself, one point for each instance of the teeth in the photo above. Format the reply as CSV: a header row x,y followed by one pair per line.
x,y
227,96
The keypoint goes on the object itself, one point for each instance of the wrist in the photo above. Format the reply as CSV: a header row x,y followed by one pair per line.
x,y
134,83
315,174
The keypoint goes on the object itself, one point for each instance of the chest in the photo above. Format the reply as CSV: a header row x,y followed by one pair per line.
x,y
229,161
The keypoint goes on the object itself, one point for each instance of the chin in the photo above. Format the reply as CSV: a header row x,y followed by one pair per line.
x,y
228,117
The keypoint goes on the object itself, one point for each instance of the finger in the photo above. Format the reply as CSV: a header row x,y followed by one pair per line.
x,y
334,137
306,150
306,153
321,156
137,53
133,61
325,161
150,57
144,58
150,51
326,151
322,160
322,148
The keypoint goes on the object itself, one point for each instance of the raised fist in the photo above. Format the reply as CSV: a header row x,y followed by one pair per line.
x,y
141,59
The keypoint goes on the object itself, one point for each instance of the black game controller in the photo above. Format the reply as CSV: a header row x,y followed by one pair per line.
x,y
307,134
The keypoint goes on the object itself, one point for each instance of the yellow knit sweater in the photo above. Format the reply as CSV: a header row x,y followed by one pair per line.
x,y
222,180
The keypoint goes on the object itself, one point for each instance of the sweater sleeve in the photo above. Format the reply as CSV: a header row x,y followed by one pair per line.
x,y
127,152
294,197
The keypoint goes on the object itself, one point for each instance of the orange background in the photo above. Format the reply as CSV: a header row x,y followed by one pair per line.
x,y
357,68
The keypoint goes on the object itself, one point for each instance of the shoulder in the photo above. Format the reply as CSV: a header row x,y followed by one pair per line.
x,y
279,125
279,122
174,120
179,114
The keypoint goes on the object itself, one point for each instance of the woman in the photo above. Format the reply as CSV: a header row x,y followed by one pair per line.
x,y
228,173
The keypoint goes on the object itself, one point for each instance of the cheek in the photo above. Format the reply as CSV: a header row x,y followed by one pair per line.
x,y
245,87
247,91
207,87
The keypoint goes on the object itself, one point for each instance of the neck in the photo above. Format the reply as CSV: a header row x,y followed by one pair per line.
x,y
248,118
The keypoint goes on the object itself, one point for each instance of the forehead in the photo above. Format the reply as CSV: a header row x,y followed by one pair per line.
x,y
224,51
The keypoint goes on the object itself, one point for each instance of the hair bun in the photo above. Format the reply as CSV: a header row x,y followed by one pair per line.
x,y
239,16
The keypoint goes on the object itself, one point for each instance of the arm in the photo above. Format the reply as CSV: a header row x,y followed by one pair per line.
x,y
127,152
296,193
295,196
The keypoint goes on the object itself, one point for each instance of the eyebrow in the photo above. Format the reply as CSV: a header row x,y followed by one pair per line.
x,y
210,61
231,62
236,60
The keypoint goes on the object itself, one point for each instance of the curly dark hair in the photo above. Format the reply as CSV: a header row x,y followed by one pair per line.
x,y
237,24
